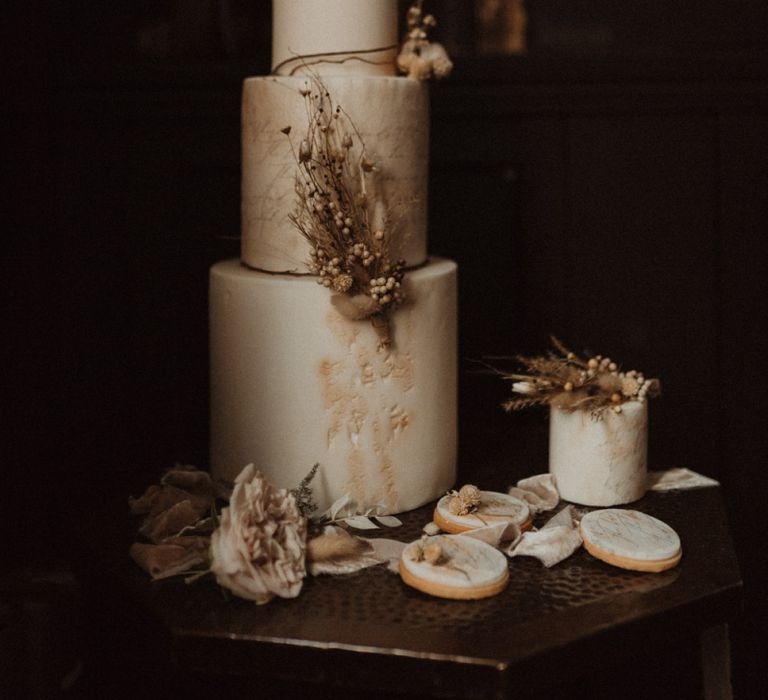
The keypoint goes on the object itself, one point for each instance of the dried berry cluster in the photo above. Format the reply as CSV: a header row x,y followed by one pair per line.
x,y
419,58
565,380
342,275
347,253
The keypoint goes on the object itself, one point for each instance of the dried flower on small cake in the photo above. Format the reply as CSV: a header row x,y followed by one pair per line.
x,y
565,380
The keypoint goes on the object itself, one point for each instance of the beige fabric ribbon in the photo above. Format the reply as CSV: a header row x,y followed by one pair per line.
x,y
679,478
557,540
539,492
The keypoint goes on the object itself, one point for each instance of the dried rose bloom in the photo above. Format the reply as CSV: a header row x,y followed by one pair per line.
x,y
258,551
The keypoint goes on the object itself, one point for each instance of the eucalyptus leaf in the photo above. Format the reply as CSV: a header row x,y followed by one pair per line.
x,y
336,507
389,520
361,523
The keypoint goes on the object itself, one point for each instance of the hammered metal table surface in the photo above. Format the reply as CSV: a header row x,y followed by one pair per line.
x,y
368,629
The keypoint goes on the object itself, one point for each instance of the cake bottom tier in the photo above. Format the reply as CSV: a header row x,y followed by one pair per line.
x,y
294,383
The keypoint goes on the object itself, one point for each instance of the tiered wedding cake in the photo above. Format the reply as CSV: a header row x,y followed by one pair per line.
x,y
293,380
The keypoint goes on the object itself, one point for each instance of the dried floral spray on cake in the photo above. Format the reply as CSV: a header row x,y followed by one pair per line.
x,y
348,252
565,380
419,57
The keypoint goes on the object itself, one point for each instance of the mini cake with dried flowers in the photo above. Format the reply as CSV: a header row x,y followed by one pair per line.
x,y
333,339
598,429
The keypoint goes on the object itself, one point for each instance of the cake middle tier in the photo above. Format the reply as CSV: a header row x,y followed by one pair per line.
x,y
294,383
391,117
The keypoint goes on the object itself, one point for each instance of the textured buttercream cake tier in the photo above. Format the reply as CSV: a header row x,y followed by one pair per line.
x,y
294,383
392,117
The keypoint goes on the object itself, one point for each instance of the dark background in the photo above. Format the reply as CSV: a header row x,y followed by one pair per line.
x,y
610,186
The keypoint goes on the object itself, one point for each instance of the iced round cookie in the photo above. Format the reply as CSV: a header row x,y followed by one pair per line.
x,y
492,508
452,566
630,540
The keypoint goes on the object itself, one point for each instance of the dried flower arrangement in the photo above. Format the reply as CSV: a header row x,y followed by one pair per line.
x,y
257,540
334,214
565,380
419,58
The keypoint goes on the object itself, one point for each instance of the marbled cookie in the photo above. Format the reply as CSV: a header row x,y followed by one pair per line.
x,y
630,539
492,508
454,566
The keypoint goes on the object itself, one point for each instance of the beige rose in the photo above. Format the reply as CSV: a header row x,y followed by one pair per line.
x,y
258,550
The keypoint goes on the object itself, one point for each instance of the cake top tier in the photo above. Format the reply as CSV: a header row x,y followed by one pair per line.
x,y
334,37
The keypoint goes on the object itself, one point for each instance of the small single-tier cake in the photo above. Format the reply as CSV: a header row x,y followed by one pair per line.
x,y
600,462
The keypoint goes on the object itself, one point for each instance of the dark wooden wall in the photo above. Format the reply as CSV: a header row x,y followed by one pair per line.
x,y
615,195
624,215
624,209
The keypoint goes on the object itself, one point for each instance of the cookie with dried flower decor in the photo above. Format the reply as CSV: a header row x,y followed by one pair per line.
x,y
470,508
454,566
631,540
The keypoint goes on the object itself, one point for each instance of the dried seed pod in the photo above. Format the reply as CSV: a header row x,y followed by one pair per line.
x,y
629,386
456,506
470,495
305,151
432,553
417,554
342,283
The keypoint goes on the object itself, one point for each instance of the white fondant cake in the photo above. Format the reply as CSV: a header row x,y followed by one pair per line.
x,y
600,462
334,37
293,382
